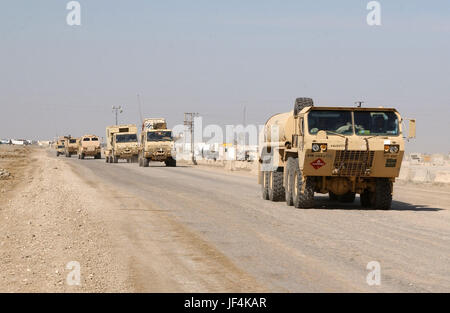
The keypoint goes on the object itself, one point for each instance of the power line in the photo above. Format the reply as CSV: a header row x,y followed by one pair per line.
x,y
117,111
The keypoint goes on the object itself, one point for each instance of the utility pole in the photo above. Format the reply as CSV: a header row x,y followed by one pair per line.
x,y
189,123
117,111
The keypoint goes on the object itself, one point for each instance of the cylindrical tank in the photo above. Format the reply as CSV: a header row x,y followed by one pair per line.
x,y
281,124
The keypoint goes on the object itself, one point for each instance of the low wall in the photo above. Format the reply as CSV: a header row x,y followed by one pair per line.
x,y
425,174
251,167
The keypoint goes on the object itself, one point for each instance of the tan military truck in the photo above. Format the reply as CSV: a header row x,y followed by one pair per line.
x,y
121,143
59,146
89,145
341,151
156,143
70,146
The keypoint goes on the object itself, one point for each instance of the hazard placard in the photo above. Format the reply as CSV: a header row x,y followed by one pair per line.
x,y
317,163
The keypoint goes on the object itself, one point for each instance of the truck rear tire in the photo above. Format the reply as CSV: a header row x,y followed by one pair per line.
x,y
332,196
349,197
145,162
301,103
290,168
276,189
383,194
305,199
82,156
365,199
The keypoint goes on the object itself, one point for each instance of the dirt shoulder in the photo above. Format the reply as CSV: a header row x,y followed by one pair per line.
x,y
47,221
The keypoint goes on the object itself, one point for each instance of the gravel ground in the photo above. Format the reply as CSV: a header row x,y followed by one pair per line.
x,y
48,219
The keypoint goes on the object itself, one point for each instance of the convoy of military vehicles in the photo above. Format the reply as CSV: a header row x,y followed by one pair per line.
x,y
339,151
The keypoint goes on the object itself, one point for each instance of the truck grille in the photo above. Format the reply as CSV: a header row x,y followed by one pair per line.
x,y
353,163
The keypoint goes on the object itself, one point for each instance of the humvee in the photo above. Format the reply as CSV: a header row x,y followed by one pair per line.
x,y
121,143
89,145
342,151
70,146
156,143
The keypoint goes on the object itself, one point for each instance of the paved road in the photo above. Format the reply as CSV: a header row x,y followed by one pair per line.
x,y
269,245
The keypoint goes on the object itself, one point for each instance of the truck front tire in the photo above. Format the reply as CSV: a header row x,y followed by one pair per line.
x,y
171,162
383,194
305,199
290,168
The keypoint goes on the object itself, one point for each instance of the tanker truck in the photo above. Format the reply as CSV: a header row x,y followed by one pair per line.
x,y
156,143
339,151
121,143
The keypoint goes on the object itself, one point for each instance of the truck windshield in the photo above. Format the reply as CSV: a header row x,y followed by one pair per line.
x,y
72,141
376,123
330,121
126,138
159,136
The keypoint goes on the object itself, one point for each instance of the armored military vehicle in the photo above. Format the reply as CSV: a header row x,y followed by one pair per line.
x,y
342,151
60,146
121,143
89,145
156,143
70,146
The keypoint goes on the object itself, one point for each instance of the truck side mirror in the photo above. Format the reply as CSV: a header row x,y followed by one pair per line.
x,y
412,129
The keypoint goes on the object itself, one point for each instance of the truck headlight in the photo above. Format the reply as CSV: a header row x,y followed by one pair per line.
x,y
315,147
393,149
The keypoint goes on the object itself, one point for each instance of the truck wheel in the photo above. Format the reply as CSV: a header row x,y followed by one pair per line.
x,y
115,159
306,199
145,162
171,162
82,156
332,196
383,194
290,168
276,189
301,103
365,199
349,197
265,185
57,154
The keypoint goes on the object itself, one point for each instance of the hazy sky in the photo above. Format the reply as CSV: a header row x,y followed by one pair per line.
x,y
215,57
